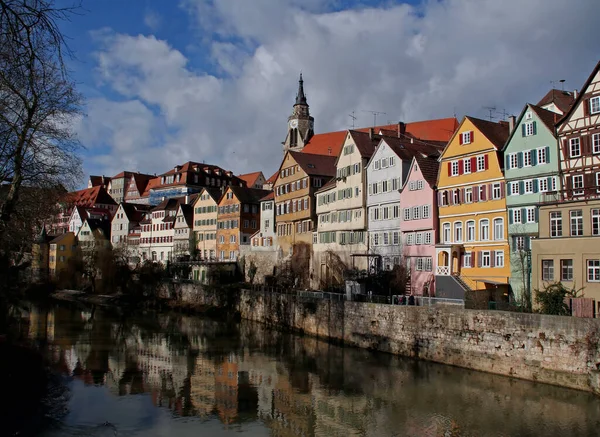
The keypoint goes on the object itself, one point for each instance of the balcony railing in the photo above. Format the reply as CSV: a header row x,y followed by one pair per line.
x,y
570,195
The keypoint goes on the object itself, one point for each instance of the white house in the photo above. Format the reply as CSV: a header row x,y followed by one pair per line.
x,y
183,238
265,239
156,239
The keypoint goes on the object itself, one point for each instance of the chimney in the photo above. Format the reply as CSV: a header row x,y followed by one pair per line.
x,y
401,129
574,94
511,122
187,199
371,132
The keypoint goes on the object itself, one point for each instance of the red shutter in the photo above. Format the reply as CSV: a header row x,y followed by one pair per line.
x,y
478,255
461,167
460,139
471,136
493,258
502,189
473,165
483,193
489,190
486,162
565,147
462,195
449,169
586,107
475,194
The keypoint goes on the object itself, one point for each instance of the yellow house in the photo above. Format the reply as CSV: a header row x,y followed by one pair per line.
x,y
472,252
61,250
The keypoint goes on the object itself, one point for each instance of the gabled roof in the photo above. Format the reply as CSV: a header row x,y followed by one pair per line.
x,y
429,168
318,165
328,186
135,212
496,133
99,224
248,195
214,192
97,181
580,95
272,179
270,196
251,178
441,130
90,197
547,117
563,100
188,213
152,183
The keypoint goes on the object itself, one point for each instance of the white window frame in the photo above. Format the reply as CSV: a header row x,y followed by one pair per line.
x,y
496,191
528,186
454,168
447,232
484,224
547,270
576,223
593,267
407,215
528,129
486,258
514,188
499,258
469,195
467,259
498,228
556,228
574,146
466,137
420,184
513,161
595,143
481,163
595,105
595,216
426,211
543,185
527,162
579,189
541,156
427,238
530,214
467,165
470,230
458,232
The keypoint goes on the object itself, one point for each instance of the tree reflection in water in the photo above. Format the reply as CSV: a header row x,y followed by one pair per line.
x,y
212,376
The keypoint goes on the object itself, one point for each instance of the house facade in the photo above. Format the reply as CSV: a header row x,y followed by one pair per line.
x,y
61,249
205,223
569,224
157,231
531,168
265,239
419,224
254,180
473,251
300,175
238,219
183,236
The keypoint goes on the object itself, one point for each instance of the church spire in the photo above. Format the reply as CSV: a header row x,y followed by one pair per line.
x,y
300,97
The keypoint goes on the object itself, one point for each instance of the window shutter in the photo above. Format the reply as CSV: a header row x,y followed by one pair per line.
x,y
471,136
509,189
510,218
527,243
533,157
586,145
473,164
535,185
523,130
478,253
507,162
520,159
549,183
547,154
462,195
502,188
489,191
537,215
565,147
460,139
569,181
523,215
449,169
493,258
534,128
521,187
586,107
461,167
475,194
462,259
484,193
486,162
589,180
439,198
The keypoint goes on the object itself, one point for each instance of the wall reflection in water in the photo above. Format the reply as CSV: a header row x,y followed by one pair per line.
x,y
218,377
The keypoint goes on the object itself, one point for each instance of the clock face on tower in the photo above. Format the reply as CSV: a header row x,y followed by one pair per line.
x,y
293,124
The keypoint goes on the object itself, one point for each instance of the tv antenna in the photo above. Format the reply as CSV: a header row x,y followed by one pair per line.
x,y
353,117
561,81
375,114
491,110
503,113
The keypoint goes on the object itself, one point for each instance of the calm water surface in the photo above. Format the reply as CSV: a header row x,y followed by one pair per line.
x,y
174,375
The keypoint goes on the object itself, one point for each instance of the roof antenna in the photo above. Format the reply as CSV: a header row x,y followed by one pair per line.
x,y
491,109
561,81
353,117
375,114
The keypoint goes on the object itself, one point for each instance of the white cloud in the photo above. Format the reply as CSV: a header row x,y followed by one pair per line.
x,y
152,20
412,63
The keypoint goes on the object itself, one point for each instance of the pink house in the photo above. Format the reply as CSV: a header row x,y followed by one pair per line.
x,y
418,200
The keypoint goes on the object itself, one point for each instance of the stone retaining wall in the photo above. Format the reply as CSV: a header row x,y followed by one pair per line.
x,y
557,350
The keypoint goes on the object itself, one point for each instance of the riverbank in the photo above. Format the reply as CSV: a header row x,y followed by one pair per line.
x,y
563,351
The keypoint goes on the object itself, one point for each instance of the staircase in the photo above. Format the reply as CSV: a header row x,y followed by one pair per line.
x,y
451,286
408,286
464,282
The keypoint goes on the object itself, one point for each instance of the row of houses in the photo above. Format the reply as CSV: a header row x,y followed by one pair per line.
x,y
477,205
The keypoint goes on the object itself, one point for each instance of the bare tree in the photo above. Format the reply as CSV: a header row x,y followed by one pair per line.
x,y
38,103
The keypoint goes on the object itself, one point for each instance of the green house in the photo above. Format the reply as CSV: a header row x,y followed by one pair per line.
x,y
531,168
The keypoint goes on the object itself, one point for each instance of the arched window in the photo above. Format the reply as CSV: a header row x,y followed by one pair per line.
x,y
458,232
484,229
471,230
446,233
499,228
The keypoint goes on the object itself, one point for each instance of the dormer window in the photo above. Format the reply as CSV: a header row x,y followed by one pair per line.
x,y
466,137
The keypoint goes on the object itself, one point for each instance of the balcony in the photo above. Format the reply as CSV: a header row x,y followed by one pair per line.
x,y
570,195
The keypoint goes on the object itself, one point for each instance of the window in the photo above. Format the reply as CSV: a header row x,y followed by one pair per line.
x,y
419,264
471,230
466,137
454,168
486,258
428,264
574,147
519,243
395,238
594,105
566,269
484,229
576,223
595,221
420,184
232,239
458,232
481,163
528,129
392,162
496,194
514,188
541,156
527,158
469,195
498,229
556,224
596,143
446,232
455,197
547,270
416,213
467,259
410,239
593,270
499,258
577,185
513,161
467,165
528,186
406,213
530,211
419,238
542,185
427,237
425,211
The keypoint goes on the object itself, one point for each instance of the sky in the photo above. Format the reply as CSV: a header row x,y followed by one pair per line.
x,y
214,81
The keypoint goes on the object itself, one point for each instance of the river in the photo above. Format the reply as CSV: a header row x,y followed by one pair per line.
x,y
177,375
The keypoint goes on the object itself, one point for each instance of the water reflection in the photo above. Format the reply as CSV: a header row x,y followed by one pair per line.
x,y
178,375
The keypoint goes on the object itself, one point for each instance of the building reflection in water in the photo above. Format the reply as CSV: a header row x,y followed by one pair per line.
x,y
294,386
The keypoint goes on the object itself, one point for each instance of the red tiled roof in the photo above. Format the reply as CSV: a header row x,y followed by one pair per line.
x,y
563,100
497,133
99,180
549,118
429,168
271,180
312,164
270,196
90,197
441,130
152,183
251,178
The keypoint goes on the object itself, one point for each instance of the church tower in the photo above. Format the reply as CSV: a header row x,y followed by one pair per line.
x,y
300,123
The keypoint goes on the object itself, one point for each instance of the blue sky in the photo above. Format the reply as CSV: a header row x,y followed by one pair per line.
x,y
214,80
